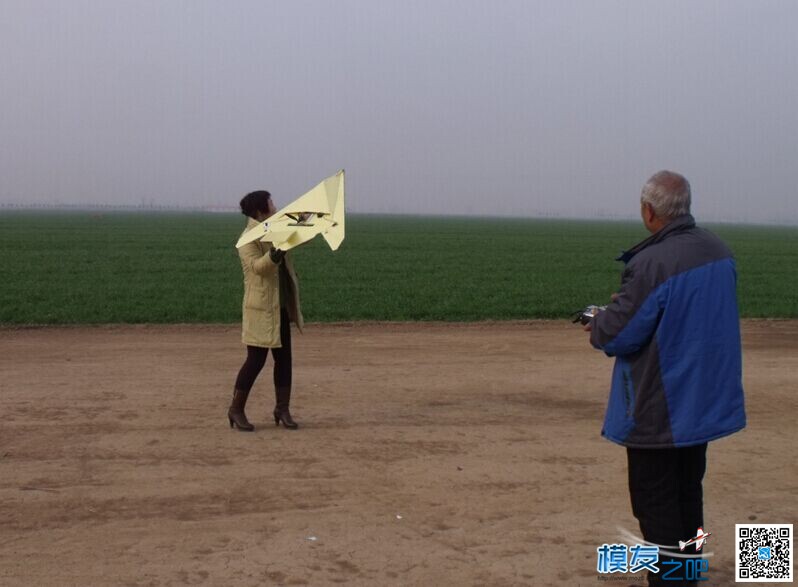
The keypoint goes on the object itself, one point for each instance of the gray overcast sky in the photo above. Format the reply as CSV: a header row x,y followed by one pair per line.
x,y
531,108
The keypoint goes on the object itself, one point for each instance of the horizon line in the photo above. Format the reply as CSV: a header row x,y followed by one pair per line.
x,y
174,208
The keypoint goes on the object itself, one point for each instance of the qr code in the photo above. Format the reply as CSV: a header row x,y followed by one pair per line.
x,y
764,553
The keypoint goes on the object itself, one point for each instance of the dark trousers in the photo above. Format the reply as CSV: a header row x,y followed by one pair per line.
x,y
667,497
256,359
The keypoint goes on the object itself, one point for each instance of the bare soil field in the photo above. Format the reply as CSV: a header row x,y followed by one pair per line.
x,y
428,454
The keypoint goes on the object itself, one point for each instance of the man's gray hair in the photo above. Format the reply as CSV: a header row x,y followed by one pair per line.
x,y
668,193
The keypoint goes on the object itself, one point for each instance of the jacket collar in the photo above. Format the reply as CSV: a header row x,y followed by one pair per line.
x,y
677,225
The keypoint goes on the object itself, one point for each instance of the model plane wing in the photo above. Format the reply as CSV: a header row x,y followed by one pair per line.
x,y
319,211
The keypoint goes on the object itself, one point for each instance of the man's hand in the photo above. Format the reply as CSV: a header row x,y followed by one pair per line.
x,y
586,315
589,326
276,255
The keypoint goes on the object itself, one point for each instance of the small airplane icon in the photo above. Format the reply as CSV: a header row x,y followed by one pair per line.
x,y
699,539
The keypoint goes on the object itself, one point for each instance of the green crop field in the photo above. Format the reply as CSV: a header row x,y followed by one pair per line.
x,y
84,267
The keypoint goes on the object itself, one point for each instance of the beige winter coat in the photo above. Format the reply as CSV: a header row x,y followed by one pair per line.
x,y
261,306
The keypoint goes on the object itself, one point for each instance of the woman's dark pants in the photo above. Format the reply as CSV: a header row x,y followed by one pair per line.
x,y
256,359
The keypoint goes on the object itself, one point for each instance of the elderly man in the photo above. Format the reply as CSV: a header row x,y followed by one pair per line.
x,y
674,331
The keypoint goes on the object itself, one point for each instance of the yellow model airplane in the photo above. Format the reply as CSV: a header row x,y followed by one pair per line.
x,y
320,211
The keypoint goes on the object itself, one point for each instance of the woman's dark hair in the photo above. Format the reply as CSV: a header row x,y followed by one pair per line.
x,y
255,202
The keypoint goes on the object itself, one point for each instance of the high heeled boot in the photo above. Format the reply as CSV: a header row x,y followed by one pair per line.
x,y
236,414
281,412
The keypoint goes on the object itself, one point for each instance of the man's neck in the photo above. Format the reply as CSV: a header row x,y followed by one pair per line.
x,y
658,224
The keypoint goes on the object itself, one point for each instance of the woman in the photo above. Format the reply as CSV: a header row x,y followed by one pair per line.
x,y
271,303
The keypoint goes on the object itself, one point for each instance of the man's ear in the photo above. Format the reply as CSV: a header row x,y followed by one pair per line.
x,y
648,213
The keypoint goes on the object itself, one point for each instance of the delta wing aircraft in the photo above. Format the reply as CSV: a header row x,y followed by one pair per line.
x,y
319,211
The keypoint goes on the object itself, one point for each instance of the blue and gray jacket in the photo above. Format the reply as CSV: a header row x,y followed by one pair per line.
x,y
675,332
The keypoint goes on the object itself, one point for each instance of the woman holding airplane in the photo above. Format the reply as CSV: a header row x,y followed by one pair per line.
x,y
271,303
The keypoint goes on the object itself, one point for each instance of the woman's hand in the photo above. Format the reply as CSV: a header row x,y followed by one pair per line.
x,y
276,255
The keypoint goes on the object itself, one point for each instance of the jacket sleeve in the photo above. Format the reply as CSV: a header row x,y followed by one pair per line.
x,y
257,263
629,322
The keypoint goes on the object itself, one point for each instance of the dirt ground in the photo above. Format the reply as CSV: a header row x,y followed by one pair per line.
x,y
428,454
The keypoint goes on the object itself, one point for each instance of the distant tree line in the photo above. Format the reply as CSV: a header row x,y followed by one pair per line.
x,y
119,207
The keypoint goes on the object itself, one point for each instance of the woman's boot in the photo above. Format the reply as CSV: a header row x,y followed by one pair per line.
x,y
281,413
236,414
